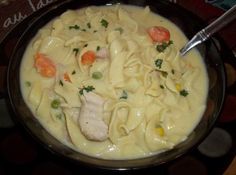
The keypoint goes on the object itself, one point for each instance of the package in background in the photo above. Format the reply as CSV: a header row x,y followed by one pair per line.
x,y
223,4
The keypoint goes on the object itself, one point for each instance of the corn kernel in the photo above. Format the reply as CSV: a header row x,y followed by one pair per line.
x,y
160,131
178,86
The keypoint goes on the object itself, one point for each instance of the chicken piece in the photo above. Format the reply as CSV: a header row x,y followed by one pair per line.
x,y
91,117
102,53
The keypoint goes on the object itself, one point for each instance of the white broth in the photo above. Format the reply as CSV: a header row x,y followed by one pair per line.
x,y
109,82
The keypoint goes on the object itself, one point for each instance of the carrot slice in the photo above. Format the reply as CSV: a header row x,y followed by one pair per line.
x,y
44,65
67,77
159,34
88,58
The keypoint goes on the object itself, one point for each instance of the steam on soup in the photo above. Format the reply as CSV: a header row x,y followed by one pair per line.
x,y
109,82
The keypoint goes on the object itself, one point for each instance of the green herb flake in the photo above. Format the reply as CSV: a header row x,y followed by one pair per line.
x,y
97,75
76,27
55,103
98,48
158,63
76,51
59,116
164,74
161,47
104,23
161,86
124,95
94,31
28,84
89,25
86,45
121,30
61,83
173,71
87,89
73,72
84,30
158,125
183,92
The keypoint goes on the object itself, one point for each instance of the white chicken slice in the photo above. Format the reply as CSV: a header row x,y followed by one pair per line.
x,y
102,53
91,117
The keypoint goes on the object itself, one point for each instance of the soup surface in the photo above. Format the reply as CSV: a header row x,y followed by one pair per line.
x,y
109,82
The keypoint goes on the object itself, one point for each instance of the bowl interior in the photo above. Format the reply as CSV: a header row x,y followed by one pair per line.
x,y
177,15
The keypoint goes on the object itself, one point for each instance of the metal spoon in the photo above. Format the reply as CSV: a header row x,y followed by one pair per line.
x,y
208,31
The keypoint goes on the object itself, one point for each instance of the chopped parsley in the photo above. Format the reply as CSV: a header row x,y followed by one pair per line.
x,y
61,83
172,71
164,74
161,86
85,45
76,51
87,89
183,92
73,72
28,84
104,23
76,27
98,48
89,25
97,75
59,116
55,103
163,46
158,63
124,95
94,31
84,30
158,125
121,30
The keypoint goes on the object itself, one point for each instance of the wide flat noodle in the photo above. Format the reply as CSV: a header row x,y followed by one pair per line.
x,y
35,94
69,16
118,118
101,87
116,75
54,48
126,19
133,67
154,141
135,117
44,113
69,92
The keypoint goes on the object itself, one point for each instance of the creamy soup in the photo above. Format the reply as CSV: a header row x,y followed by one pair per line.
x,y
110,82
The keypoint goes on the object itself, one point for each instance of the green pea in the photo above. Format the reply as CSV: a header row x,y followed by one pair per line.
x,y
55,104
97,75
28,84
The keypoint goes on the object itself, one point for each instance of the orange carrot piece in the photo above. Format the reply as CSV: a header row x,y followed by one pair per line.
x,y
44,65
67,77
159,34
88,58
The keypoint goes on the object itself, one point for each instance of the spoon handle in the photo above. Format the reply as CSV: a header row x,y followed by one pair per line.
x,y
208,31
220,22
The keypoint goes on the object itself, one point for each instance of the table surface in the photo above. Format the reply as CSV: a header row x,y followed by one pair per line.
x,y
19,153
